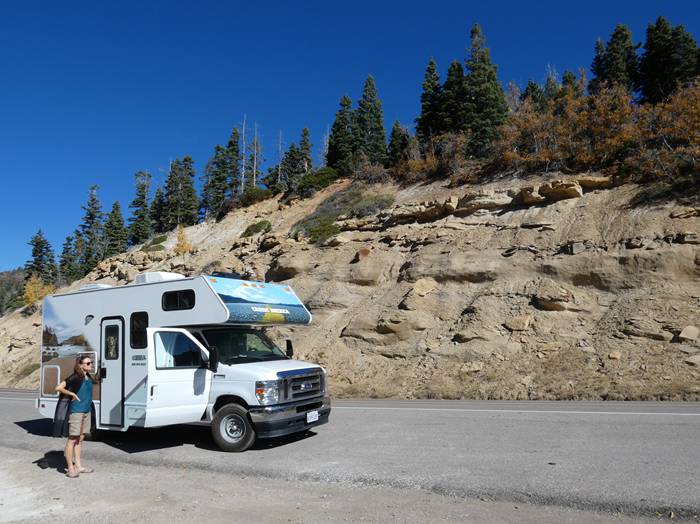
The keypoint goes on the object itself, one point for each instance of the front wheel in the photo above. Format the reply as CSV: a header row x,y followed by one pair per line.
x,y
232,429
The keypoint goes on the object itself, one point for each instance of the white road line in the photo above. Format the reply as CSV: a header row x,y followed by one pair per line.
x,y
467,410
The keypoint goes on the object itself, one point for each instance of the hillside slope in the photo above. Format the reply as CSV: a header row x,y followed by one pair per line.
x,y
545,289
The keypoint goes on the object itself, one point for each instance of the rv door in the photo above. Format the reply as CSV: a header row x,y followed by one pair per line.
x,y
178,379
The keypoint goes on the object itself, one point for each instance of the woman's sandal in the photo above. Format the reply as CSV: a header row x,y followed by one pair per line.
x,y
86,470
72,474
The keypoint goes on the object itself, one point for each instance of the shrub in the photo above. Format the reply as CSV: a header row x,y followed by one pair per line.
x,y
158,247
370,203
35,289
158,240
255,194
316,180
263,226
371,173
322,229
182,246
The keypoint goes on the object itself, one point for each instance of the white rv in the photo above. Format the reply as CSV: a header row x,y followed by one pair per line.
x,y
176,350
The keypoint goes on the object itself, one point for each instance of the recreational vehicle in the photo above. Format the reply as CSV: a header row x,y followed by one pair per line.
x,y
177,350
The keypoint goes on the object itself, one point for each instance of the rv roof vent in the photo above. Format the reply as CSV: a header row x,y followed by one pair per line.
x,y
156,276
93,287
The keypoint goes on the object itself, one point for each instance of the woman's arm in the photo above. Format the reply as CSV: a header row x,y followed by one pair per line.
x,y
61,388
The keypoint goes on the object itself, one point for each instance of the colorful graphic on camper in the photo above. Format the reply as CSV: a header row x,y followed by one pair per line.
x,y
259,303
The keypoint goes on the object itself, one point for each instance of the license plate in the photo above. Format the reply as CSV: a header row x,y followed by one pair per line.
x,y
311,416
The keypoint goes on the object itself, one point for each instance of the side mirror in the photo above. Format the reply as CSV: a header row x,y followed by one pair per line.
x,y
213,358
290,349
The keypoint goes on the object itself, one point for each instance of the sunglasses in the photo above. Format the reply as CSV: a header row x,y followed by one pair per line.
x,y
88,363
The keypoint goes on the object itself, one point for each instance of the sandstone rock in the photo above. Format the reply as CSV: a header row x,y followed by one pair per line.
x,y
693,360
687,238
156,256
634,243
471,367
456,266
468,335
594,182
689,334
270,240
518,323
137,258
645,329
561,190
550,296
423,286
289,265
615,355
688,350
686,212
472,202
528,196
573,248
338,240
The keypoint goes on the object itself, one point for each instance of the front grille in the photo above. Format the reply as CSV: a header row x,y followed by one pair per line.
x,y
305,385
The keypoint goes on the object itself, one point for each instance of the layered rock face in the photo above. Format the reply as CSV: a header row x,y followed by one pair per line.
x,y
558,288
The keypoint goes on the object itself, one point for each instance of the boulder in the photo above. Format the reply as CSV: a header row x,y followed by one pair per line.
x,y
550,296
693,360
472,202
471,367
561,190
590,183
518,323
615,355
289,265
270,240
414,298
638,327
687,237
528,196
689,334
685,212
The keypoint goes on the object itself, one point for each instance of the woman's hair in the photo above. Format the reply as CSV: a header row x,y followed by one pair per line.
x,y
77,368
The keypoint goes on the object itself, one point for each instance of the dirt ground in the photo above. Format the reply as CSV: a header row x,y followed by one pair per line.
x,y
33,488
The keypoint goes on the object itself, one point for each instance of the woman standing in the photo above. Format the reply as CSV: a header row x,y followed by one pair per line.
x,y
75,402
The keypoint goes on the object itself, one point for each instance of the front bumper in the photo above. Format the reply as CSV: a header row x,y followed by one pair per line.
x,y
283,419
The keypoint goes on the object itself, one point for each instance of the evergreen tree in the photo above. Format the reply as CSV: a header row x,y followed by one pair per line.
x,y
617,63
430,121
116,234
140,221
157,211
69,262
485,103
370,124
92,232
399,142
215,183
570,83
341,146
552,87
533,92
305,149
293,168
42,264
230,164
181,204
669,60
453,99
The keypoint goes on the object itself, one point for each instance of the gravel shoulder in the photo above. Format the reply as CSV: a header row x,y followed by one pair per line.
x,y
33,488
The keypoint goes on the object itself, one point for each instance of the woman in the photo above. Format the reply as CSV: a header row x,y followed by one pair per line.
x,y
74,411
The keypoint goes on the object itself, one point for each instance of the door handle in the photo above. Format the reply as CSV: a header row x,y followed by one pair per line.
x,y
103,373
153,388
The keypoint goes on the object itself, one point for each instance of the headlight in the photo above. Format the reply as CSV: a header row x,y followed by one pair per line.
x,y
267,392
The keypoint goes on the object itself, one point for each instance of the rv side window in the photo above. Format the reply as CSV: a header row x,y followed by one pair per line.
x,y
177,300
111,342
138,324
176,350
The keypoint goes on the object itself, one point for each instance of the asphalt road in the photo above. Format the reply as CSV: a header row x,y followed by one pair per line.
x,y
637,458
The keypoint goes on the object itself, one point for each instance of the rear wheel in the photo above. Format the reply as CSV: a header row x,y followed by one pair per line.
x,y
232,429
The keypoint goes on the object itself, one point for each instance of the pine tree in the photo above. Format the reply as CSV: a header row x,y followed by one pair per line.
x,y
617,63
533,92
399,141
430,122
140,221
485,104
305,147
552,87
341,140
92,232
181,204
669,60
231,161
69,262
157,211
370,124
116,235
215,183
453,100
42,264
293,168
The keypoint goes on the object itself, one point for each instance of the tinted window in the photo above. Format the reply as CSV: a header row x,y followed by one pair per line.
x,y
176,300
175,350
139,323
111,349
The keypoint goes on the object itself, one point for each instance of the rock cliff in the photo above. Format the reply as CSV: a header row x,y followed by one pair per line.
x,y
548,288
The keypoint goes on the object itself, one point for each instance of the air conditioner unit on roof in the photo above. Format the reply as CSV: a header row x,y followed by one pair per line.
x,y
156,276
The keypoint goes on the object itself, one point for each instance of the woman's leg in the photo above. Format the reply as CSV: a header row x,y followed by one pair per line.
x,y
68,452
78,447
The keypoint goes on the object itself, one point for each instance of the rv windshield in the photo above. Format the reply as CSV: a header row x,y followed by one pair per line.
x,y
237,346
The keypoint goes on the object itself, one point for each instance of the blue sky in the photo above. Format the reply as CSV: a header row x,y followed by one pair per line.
x,y
92,92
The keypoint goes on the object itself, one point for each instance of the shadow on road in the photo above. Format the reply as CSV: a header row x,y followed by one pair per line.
x,y
139,440
52,460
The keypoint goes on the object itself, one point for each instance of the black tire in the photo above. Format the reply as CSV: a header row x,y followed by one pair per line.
x,y
232,429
